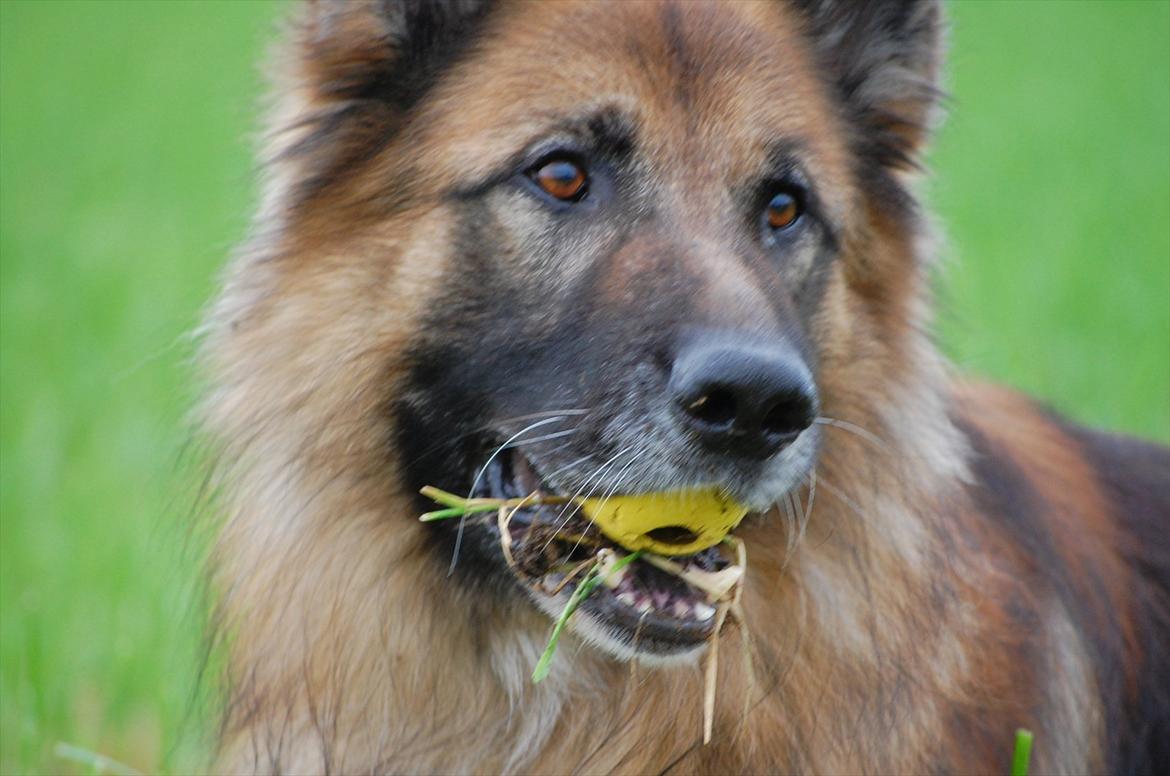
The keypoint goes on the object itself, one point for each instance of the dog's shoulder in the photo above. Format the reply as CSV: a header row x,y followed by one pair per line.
x,y
1091,512
1135,477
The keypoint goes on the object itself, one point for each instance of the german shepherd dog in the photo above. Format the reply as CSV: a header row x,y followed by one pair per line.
x,y
584,247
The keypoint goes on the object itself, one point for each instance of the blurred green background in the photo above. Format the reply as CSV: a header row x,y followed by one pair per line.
x,y
125,178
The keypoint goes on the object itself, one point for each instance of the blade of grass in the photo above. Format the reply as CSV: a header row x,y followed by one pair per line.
x,y
1023,752
97,763
583,590
592,579
443,514
457,506
442,497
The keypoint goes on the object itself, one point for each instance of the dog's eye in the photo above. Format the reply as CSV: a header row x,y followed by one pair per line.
x,y
561,178
783,210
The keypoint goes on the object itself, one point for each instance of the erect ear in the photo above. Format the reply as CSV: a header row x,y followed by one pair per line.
x,y
883,56
350,73
390,50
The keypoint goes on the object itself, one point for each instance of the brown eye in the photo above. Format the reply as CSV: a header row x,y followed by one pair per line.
x,y
783,210
562,179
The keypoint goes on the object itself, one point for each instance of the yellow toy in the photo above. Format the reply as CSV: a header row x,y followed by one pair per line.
x,y
672,523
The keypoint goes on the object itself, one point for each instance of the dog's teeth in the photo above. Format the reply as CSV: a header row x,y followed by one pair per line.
x,y
627,598
681,609
704,611
613,579
644,606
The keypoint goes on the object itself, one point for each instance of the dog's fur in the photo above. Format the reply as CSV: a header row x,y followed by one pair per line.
x,y
971,564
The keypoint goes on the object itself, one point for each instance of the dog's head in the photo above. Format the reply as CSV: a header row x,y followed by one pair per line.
x,y
590,249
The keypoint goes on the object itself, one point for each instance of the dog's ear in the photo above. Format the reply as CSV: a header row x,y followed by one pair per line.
x,y
389,50
349,74
883,57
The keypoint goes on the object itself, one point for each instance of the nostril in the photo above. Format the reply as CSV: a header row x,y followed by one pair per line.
x,y
741,397
787,417
716,407
673,534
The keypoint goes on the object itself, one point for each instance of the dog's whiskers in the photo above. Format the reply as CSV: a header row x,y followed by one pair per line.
x,y
564,467
792,512
619,478
545,438
534,416
842,497
812,494
577,499
853,428
479,476
796,515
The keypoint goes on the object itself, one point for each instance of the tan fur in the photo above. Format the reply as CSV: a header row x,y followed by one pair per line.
x,y
876,643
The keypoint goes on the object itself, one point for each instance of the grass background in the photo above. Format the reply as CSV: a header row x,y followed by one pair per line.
x,y
125,177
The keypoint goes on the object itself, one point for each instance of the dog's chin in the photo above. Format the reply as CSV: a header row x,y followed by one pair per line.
x,y
640,611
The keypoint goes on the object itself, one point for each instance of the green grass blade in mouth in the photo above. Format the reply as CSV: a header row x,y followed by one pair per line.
x,y
443,514
443,497
457,506
592,579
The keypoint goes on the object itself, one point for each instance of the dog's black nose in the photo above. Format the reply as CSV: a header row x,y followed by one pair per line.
x,y
747,400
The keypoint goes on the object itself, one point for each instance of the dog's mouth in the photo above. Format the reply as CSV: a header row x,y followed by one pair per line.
x,y
654,606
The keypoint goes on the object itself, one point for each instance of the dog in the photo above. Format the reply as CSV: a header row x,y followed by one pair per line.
x,y
604,249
